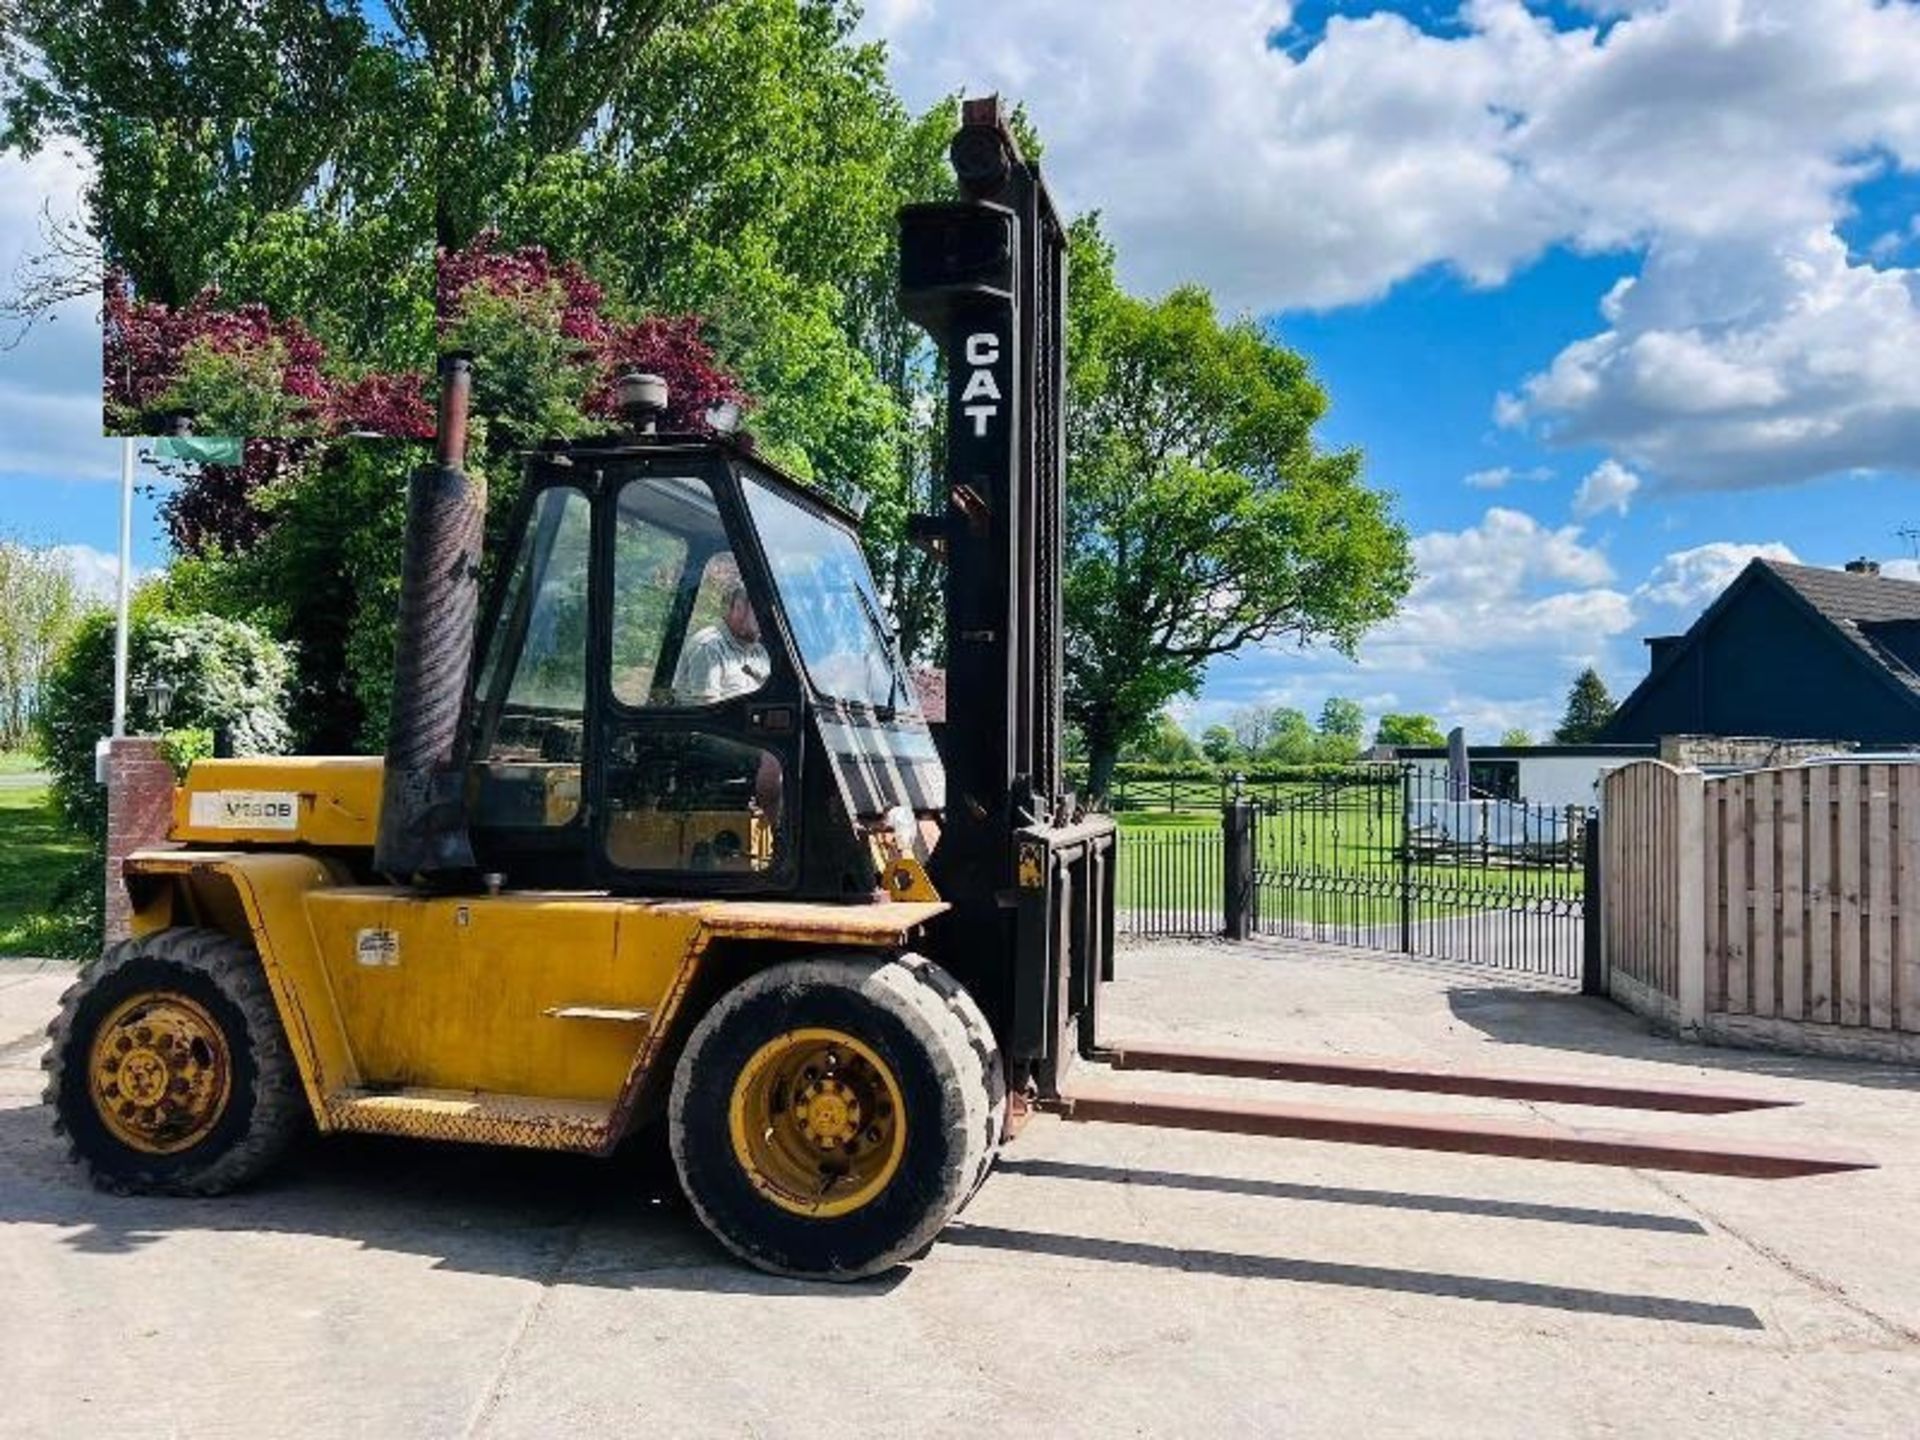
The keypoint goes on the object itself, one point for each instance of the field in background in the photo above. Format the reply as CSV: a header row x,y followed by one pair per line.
x,y
37,854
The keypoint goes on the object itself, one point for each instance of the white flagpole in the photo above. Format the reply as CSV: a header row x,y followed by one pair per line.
x,y
126,589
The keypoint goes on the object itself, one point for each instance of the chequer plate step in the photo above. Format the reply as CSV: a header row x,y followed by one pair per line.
x,y
476,1117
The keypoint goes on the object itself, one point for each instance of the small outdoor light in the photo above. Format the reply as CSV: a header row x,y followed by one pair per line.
x,y
1239,779
642,400
159,700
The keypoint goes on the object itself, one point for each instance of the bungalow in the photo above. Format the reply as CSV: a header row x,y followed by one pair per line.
x,y
1788,652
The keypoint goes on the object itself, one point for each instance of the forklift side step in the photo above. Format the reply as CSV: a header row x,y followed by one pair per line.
x,y
1461,1134
1387,1075
474,1117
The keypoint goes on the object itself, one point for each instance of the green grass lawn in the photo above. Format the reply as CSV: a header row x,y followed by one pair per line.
x,y
19,762
37,855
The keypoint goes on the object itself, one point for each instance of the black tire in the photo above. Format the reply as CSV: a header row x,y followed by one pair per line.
x,y
980,1037
926,1031
264,1108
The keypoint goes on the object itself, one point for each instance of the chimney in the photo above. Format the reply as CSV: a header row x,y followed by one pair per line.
x,y
1863,566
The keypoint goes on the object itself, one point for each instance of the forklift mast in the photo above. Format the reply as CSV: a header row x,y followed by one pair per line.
x,y
1031,883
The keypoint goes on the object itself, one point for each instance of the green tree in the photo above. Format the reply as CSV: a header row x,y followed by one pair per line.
x,y
1408,730
39,606
1218,745
1167,743
1341,732
223,674
1589,709
1292,741
1202,517
1516,738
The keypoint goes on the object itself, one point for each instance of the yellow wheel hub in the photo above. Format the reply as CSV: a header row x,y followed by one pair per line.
x,y
160,1073
818,1123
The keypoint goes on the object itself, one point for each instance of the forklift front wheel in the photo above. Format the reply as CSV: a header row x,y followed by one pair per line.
x,y
830,1115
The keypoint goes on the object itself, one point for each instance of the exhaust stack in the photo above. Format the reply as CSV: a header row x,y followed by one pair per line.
x,y
423,836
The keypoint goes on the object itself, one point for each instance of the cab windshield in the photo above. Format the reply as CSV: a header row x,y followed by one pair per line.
x,y
830,602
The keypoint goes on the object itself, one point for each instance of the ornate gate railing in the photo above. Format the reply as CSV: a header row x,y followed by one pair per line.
x,y
1387,858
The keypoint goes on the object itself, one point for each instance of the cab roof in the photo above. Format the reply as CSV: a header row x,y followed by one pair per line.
x,y
627,446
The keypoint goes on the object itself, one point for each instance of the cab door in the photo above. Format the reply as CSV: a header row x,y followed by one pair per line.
x,y
698,789
532,717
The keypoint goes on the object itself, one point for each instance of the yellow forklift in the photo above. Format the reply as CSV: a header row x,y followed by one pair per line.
x,y
661,835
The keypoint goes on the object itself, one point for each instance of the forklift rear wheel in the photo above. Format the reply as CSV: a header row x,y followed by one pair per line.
x,y
168,1072
830,1115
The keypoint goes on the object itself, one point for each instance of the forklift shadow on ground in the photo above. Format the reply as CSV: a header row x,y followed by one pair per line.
x,y
558,1219
1585,1024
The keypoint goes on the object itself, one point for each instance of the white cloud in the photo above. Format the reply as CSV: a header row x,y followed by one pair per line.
x,y
1505,613
1609,486
49,381
1502,554
95,572
1690,579
1724,135
1505,600
1501,476
1901,569
1744,363
1316,175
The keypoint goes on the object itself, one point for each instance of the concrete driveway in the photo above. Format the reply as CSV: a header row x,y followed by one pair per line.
x,y
1106,1281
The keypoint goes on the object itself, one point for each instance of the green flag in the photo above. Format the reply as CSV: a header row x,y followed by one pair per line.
x,y
206,449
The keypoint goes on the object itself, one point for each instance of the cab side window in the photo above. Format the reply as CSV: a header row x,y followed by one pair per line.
x,y
684,630
531,700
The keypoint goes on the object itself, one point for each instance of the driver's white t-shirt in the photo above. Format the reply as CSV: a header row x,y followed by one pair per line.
x,y
717,664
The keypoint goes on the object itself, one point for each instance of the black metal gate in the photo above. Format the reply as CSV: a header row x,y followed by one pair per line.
x,y
1387,858
1172,881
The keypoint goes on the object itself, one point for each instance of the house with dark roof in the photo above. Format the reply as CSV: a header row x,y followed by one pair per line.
x,y
1791,652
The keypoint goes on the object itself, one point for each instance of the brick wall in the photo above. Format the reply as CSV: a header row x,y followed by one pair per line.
x,y
139,809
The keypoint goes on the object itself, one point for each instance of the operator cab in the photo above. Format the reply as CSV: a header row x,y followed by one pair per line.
x,y
685,686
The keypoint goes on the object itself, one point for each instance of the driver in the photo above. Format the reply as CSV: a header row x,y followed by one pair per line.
x,y
723,660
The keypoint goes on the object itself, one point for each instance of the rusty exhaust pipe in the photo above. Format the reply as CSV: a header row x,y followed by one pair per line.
x,y
424,836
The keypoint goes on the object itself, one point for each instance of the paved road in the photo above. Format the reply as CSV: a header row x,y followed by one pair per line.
x,y
1106,1282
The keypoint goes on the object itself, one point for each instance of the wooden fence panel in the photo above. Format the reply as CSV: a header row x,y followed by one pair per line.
x,y
1791,832
1847,894
1820,891
1879,938
1784,895
1813,904
1739,887
1762,895
1714,877
1906,920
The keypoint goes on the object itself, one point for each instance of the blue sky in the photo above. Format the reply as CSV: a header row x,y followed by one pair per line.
x,y
1613,294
